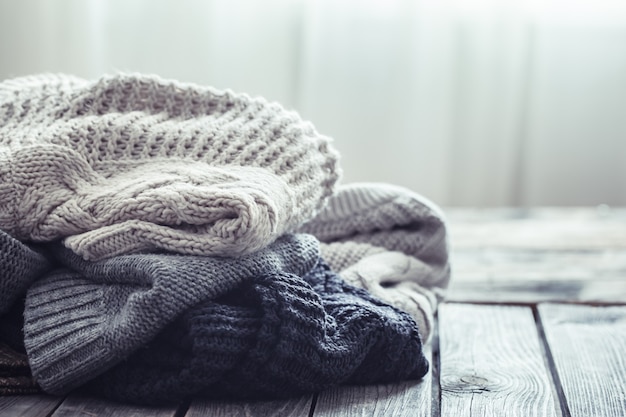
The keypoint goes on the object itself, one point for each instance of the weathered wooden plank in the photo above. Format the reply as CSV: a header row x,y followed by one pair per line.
x,y
533,291
76,405
492,363
408,398
548,228
404,399
479,264
588,345
28,405
521,275
296,407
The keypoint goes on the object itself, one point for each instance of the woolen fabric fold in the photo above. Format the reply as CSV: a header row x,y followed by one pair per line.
x,y
387,216
133,162
84,319
390,241
275,336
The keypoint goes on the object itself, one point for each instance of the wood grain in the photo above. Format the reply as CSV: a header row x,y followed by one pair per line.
x,y
546,228
92,407
538,255
539,264
404,399
297,407
492,363
28,405
530,276
588,345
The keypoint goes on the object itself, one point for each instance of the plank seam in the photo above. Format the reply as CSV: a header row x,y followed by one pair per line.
x,y
56,407
435,400
313,404
557,386
182,409
532,304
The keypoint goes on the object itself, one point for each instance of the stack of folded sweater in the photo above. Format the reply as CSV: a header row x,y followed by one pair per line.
x,y
161,240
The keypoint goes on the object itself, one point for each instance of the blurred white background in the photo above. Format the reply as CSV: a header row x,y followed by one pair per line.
x,y
469,102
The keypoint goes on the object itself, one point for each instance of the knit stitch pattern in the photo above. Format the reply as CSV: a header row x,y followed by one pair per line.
x,y
132,163
341,255
397,279
391,242
82,320
275,336
387,216
20,266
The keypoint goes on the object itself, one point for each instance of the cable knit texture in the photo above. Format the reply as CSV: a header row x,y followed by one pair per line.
x,y
131,163
389,241
82,320
277,335
20,266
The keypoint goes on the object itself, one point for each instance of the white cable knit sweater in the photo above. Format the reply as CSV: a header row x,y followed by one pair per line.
x,y
133,162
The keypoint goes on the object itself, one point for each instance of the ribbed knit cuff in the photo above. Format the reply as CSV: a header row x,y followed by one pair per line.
x,y
65,326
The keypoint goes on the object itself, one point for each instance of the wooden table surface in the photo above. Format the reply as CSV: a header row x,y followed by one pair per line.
x,y
534,325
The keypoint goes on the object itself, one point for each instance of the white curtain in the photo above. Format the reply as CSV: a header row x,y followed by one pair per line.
x,y
470,102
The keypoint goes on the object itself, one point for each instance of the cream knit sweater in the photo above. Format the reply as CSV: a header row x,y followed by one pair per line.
x,y
131,162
